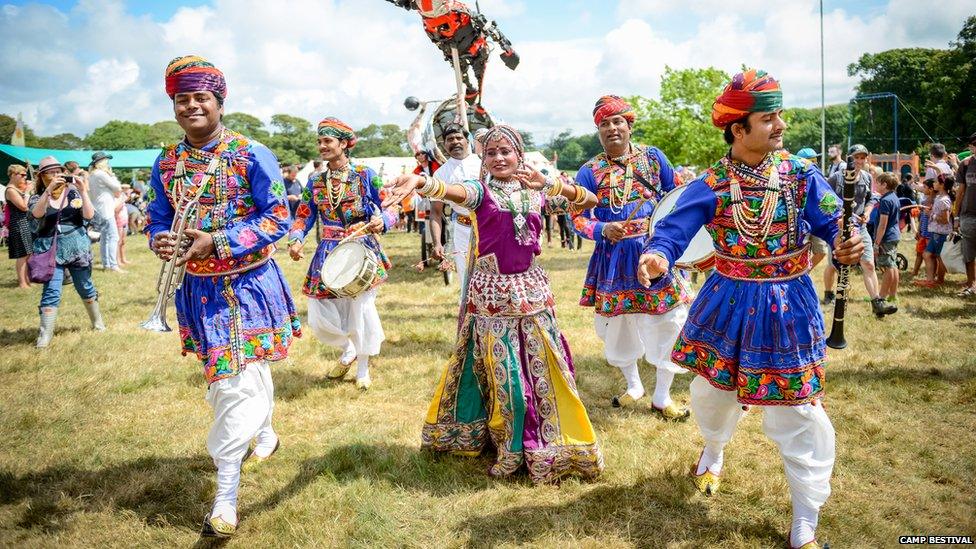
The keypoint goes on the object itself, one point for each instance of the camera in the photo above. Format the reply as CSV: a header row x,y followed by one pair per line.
x,y
68,179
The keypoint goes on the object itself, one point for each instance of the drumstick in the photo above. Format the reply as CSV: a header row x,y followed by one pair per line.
x,y
353,234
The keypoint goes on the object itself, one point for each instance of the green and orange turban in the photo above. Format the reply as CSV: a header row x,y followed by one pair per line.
x,y
612,105
192,73
339,130
750,91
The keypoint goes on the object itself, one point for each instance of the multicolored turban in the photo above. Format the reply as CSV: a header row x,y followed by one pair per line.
x,y
192,73
750,91
612,105
338,129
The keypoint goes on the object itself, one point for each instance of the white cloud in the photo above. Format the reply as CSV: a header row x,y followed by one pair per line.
x,y
358,60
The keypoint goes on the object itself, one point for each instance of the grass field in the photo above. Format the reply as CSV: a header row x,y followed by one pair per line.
x,y
103,435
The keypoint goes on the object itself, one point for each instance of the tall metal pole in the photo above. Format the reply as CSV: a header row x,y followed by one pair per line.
x,y
895,107
823,99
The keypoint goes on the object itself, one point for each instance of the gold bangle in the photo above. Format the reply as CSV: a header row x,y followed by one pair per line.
x,y
558,187
580,198
440,189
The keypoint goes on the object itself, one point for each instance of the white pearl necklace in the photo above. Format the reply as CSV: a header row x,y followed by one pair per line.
x,y
753,225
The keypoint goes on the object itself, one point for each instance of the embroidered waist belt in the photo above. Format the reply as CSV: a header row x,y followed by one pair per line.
x,y
776,268
637,227
213,266
463,220
508,295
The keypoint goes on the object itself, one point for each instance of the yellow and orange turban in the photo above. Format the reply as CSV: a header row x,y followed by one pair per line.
x,y
338,129
750,91
612,105
192,73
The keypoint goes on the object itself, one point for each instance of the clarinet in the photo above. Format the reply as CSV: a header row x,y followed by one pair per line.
x,y
836,339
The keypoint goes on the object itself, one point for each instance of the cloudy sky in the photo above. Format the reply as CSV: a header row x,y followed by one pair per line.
x,y
72,66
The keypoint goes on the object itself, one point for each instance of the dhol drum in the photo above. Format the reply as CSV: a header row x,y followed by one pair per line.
x,y
349,269
700,253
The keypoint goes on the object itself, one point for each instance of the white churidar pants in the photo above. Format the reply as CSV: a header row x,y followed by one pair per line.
x,y
461,240
628,337
803,434
242,408
337,322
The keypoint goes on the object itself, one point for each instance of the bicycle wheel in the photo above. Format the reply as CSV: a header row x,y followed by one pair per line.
x,y
902,262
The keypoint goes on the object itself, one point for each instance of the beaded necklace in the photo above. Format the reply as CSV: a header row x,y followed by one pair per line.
x,y
336,192
621,199
187,193
754,225
509,193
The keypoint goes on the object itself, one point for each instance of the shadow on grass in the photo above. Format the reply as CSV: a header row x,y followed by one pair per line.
x,y
953,375
964,312
28,336
163,492
653,512
402,466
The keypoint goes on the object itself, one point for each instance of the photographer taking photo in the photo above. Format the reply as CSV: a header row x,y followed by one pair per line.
x,y
60,211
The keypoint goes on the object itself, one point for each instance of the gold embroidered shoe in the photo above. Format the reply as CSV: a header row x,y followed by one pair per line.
x,y
707,482
671,412
339,371
808,545
216,527
624,401
252,460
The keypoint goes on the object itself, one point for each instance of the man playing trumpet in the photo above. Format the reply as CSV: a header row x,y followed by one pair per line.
x,y
234,308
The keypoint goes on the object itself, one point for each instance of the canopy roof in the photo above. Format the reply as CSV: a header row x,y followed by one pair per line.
x,y
120,159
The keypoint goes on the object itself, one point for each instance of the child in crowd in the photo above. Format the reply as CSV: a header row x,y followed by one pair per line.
x,y
940,227
926,197
887,234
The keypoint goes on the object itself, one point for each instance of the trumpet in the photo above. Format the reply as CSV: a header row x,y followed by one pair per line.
x,y
170,276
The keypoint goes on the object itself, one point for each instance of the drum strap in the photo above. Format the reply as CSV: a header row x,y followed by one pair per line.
x,y
637,175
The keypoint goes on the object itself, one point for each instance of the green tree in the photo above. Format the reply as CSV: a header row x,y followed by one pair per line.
x,y
680,122
164,133
527,140
121,135
249,125
936,88
293,141
64,141
573,151
291,125
7,126
804,130
381,140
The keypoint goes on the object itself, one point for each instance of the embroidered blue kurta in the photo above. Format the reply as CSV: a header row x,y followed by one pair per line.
x,y
611,285
762,338
359,201
235,307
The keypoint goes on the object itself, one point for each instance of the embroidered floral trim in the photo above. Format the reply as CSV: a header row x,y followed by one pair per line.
x,y
221,246
759,386
634,301
265,344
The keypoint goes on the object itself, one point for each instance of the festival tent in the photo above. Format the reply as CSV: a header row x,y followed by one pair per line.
x,y
10,154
